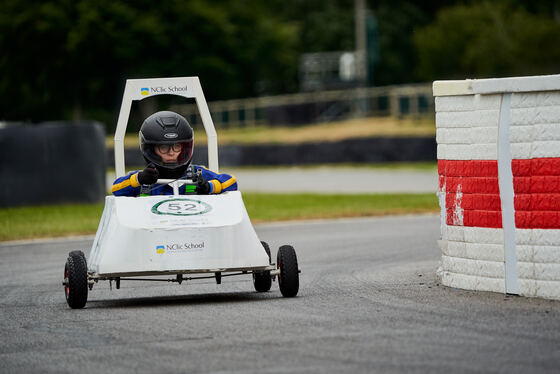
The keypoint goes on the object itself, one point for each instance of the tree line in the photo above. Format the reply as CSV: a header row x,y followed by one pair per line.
x,y
63,59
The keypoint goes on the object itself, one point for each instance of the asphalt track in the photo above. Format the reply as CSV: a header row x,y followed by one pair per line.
x,y
326,179
345,180
369,301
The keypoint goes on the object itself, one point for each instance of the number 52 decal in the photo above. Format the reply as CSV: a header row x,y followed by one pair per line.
x,y
181,207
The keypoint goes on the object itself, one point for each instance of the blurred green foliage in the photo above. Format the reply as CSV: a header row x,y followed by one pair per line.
x,y
492,39
63,59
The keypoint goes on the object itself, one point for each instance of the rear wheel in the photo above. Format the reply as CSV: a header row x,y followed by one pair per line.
x,y
76,280
262,280
288,279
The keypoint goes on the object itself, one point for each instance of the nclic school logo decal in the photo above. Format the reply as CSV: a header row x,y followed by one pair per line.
x,y
144,91
160,249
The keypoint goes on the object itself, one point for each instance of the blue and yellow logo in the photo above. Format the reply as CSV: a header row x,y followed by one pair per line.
x,y
160,249
145,91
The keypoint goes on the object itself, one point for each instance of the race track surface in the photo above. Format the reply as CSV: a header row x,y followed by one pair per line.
x,y
336,180
326,179
369,302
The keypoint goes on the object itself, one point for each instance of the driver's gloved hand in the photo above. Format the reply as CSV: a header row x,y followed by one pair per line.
x,y
148,176
202,186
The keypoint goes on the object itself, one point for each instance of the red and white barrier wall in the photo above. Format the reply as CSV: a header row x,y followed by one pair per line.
x,y
499,191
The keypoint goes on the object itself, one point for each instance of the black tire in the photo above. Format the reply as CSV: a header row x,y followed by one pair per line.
x,y
267,250
262,280
288,279
76,277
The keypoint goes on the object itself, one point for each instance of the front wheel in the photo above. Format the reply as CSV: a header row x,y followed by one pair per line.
x,y
76,280
288,279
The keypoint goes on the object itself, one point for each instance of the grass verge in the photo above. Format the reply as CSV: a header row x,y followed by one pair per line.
x,y
80,219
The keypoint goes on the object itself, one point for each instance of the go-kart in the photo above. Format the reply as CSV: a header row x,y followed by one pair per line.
x,y
183,236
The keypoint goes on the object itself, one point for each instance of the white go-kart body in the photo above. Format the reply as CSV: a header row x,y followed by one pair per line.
x,y
169,234
177,235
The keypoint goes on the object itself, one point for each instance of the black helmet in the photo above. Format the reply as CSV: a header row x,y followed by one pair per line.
x,y
166,128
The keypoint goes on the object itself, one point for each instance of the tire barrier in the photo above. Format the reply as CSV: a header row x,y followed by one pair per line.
x,y
53,162
498,149
349,150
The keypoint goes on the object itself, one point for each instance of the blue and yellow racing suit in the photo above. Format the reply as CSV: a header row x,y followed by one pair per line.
x,y
128,185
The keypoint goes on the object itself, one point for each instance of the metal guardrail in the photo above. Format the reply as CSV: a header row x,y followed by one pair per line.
x,y
320,106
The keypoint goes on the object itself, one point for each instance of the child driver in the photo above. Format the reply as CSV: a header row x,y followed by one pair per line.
x,y
166,141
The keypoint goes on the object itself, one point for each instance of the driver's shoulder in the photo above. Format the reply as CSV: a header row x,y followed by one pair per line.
x,y
202,168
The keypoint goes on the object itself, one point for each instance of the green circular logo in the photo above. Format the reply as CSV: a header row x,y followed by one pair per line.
x,y
181,207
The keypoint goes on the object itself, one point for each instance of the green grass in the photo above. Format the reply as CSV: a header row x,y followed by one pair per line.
x,y
79,219
49,221
276,207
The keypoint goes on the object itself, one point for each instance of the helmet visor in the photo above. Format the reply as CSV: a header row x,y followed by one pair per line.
x,y
169,155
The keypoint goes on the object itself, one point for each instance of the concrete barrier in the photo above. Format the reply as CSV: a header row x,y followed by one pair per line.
x,y
499,170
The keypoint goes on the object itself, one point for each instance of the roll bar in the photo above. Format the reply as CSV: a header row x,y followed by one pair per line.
x,y
138,89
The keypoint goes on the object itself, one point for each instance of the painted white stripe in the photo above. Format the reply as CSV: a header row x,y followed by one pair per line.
x,y
475,235
479,118
467,152
497,85
467,103
535,99
505,181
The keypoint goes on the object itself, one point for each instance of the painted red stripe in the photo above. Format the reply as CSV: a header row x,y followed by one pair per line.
x,y
472,185
536,167
536,184
482,218
468,168
537,220
474,218
472,192
475,201
537,202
